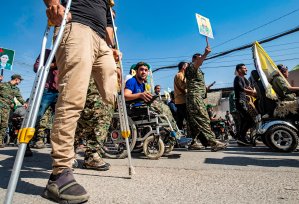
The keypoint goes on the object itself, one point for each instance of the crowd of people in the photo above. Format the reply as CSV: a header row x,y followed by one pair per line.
x,y
81,92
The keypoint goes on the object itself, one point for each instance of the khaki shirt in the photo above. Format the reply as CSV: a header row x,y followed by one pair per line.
x,y
180,88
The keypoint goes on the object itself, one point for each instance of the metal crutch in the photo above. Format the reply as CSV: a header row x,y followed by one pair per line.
x,y
28,126
124,124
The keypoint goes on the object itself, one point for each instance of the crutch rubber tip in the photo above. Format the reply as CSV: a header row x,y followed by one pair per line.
x,y
131,171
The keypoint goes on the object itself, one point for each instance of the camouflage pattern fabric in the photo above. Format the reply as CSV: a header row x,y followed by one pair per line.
x,y
4,117
197,115
95,120
7,94
46,122
281,89
160,107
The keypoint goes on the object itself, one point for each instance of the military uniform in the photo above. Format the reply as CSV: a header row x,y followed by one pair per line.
x,y
44,124
281,89
197,115
94,121
7,94
161,108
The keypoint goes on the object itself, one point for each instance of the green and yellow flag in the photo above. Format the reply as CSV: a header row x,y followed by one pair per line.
x,y
266,68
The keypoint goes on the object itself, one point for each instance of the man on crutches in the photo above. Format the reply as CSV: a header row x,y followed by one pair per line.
x,y
83,53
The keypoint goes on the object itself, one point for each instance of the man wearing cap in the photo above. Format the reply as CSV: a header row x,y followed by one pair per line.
x,y
8,91
284,91
135,89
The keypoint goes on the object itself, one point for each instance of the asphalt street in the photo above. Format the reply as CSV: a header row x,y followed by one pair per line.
x,y
236,175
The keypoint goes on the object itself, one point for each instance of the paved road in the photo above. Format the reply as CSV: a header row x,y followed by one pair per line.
x,y
237,175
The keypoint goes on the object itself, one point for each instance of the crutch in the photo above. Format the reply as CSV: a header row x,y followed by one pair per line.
x,y
28,126
124,124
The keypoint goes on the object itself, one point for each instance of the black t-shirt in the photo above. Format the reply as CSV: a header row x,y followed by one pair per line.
x,y
239,84
93,13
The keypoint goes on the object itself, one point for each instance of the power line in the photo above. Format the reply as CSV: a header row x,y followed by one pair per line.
x,y
296,29
256,28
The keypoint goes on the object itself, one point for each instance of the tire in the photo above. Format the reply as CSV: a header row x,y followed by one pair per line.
x,y
263,138
168,148
115,145
281,138
6,139
152,149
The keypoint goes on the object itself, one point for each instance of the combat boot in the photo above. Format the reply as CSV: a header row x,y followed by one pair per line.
x,y
218,146
196,146
95,162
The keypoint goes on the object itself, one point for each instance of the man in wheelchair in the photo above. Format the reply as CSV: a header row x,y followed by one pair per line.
x,y
135,90
281,88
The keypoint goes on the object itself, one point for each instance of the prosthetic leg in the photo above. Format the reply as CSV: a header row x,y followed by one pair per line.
x,y
28,126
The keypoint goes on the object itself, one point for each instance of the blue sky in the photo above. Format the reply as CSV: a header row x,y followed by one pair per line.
x,y
164,33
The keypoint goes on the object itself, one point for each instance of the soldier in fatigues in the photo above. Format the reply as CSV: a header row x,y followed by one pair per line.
x,y
197,114
93,127
8,91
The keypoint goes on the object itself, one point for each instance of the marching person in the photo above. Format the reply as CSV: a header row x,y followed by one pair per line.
x,y
198,118
8,91
242,88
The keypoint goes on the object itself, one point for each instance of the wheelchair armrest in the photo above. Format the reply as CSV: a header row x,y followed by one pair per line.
x,y
142,102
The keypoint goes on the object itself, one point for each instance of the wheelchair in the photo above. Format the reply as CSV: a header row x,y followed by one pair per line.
x,y
148,133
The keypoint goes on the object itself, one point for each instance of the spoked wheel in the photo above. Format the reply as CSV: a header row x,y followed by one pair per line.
x,y
115,145
168,148
168,140
153,147
282,138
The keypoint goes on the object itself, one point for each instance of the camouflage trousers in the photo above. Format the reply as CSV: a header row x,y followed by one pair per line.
x,y
45,123
4,117
94,121
161,108
199,121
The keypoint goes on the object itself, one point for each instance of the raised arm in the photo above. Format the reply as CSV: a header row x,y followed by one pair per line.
x,y
198,63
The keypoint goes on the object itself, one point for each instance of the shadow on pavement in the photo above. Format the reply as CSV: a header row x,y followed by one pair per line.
x,y
249,161
32,168
259,150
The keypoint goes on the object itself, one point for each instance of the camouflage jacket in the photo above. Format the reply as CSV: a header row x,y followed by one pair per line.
x,y
281,89
195,81
8,92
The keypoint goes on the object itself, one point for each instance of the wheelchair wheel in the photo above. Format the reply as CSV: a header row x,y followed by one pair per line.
x,y
115,145
282,138
153,147
6,139
168,148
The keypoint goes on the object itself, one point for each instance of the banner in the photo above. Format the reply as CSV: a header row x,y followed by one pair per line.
x,y
7,57
266,69
204,26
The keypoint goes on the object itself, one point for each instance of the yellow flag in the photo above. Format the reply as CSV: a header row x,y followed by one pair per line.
x,y
266,68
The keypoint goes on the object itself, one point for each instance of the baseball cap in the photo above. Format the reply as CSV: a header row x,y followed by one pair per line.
x,y
282,68
139,64
16,76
